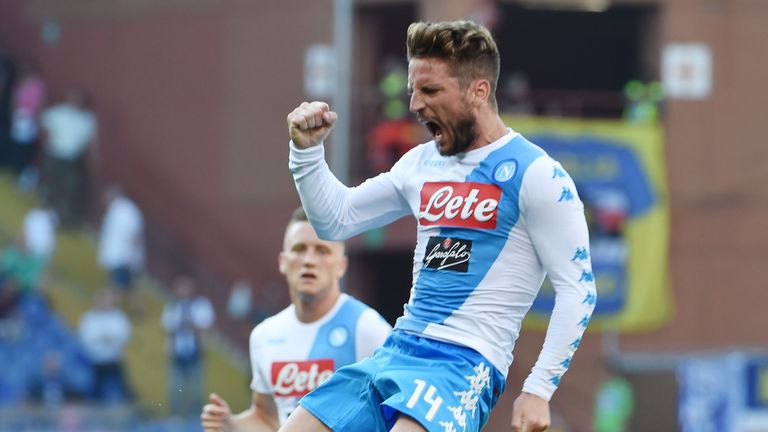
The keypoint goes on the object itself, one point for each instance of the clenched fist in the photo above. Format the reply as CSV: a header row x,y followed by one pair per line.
x,y
310,123
530,413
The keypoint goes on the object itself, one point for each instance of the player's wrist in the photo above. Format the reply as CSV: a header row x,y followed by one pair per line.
x,y
297,145
538,388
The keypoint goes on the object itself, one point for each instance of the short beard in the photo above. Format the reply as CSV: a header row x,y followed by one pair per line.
x,y
464,134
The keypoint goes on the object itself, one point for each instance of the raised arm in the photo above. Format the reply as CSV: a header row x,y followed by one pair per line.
x,y
336,211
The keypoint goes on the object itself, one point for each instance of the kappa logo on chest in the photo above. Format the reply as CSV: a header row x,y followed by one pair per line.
x,y
459,204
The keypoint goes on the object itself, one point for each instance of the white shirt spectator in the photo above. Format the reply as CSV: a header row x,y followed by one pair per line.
x,y
70,129
200,310
121,242
239,304
104,333
39,229
183,319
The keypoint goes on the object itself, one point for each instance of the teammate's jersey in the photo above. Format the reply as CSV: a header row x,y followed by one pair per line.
x,y
492,223
290,358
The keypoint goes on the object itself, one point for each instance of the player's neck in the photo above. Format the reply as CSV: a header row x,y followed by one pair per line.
x,y
490,128
311,310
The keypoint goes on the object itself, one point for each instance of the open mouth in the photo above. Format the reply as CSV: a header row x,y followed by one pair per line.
x,y
435,129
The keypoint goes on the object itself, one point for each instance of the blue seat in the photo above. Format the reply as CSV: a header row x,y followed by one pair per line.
x,y
21,359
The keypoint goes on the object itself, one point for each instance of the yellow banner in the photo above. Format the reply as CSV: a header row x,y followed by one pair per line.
x,y
619,171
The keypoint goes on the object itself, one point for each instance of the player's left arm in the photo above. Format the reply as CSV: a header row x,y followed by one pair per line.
x,y
554,216
372,330
261,416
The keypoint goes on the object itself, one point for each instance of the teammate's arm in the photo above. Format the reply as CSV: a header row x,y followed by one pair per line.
x,y
554,217
260,417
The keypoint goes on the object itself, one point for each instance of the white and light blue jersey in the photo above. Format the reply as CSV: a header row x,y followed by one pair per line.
x,y
290,358
492,223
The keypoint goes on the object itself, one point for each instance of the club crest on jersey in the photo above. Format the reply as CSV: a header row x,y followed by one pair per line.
x,y
444,253
298,378
505,171
338,336
459,204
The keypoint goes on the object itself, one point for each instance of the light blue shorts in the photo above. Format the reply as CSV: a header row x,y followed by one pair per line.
x,y
444,387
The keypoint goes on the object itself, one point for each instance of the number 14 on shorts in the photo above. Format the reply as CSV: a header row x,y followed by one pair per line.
x,y
430,398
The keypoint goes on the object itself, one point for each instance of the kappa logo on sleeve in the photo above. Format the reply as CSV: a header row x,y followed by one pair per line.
x,y
444,253
459,204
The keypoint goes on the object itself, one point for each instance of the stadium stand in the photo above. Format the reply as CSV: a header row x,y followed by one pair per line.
x,y
49,323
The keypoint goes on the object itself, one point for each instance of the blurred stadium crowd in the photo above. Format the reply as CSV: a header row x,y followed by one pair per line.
x,y
55,375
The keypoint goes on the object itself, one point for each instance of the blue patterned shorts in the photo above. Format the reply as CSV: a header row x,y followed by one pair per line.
x,y
444,387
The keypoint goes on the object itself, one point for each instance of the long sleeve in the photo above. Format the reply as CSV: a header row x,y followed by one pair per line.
x,y
336,211
554,216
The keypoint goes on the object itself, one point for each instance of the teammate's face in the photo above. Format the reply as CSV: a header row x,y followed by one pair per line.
x,y
311,266
441,105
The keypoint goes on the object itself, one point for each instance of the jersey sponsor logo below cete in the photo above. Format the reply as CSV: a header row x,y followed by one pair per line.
x,y
444,253
300,377
459,204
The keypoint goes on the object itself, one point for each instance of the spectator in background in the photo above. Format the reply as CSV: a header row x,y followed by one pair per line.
x,y
51,387
28,99
270,301
643,101
614,403
121,242
240,301
39,232
396,132
20,265
241,304
104,333
70,129
186,318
